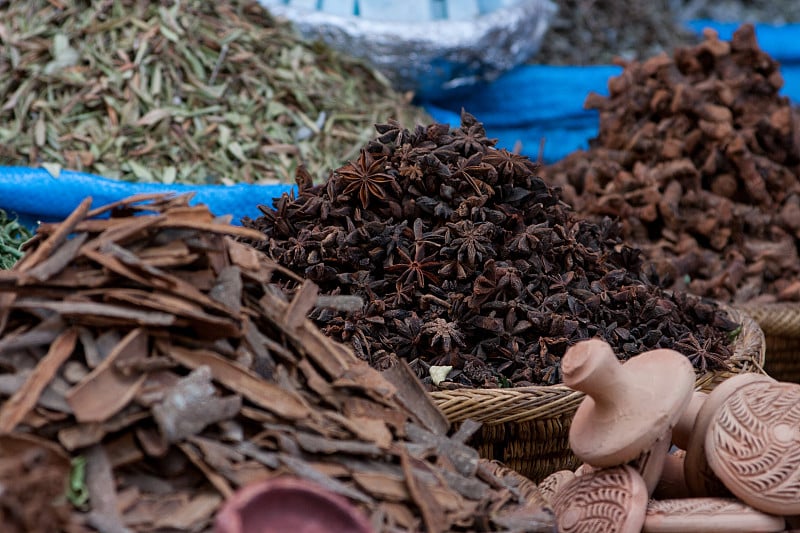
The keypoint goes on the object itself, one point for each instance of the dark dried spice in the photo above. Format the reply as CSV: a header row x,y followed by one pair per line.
x,y
698,156
474,262
364,177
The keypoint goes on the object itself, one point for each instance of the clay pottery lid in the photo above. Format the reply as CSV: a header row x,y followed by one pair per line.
x,y
553,483
753,446
650,464
611,499
672,483
700,479
708,515
682,432
628,406
289,505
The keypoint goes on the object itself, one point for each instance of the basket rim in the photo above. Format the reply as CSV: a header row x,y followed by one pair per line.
x,y
521,404
781,319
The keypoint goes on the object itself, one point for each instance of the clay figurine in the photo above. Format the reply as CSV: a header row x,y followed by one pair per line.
x,y
707,515
628,406
611,499
753,446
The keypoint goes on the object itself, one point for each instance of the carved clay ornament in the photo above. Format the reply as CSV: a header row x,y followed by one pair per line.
x,y
700,479
707,515
628,406
611,499
553,483
753,446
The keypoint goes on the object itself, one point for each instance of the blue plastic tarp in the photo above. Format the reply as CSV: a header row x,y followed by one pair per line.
x,y
531,104
34,195
537,103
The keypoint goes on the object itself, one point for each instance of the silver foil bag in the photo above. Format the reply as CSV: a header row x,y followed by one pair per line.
x,y
431,55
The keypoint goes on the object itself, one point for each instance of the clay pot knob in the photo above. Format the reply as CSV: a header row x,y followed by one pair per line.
x,y
753,446
700,479
288,504
707,515
628,407
612,499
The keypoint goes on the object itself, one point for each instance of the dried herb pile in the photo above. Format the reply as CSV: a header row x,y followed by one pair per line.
x,y
12,236
177,91
155,352
699,156
466,258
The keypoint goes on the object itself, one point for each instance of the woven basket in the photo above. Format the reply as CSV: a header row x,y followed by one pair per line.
x,y
780,323
527,428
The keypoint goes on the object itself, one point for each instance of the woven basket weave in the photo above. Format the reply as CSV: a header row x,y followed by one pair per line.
x,y
780,323
527,428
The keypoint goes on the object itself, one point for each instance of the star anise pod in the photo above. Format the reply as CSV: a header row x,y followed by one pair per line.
x,y
470,241
470,137
509,164
477,174
366,177
445,333
702,352
417,270
392,132
279,219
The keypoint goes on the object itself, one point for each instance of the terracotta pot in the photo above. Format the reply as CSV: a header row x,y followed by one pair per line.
x,y
289,505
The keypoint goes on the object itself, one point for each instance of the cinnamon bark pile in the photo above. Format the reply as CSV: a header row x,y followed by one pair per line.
x,y
151,350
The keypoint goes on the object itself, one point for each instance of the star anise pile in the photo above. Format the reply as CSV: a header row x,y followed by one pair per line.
x,y
464,257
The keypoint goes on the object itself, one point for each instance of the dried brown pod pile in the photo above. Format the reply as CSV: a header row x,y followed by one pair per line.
x,y
466,258
699,156
152,348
